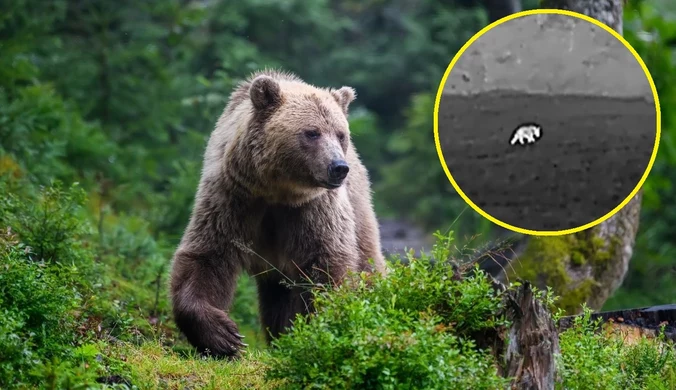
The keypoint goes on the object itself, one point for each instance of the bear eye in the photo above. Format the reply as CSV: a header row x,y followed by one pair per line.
x,y
312,134
341,136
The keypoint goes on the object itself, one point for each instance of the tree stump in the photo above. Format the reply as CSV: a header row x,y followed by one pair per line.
x,y
532,341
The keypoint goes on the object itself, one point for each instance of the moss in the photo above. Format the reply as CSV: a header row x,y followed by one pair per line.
x,y
572,298
547,260
578,258
600,254
543,261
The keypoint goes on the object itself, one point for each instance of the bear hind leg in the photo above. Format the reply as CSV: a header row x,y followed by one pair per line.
x,y
279,305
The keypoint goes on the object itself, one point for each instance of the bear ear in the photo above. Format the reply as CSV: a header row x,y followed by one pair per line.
x,y
344,96
265,92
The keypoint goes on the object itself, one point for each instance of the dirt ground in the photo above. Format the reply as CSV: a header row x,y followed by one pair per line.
x,y
592,154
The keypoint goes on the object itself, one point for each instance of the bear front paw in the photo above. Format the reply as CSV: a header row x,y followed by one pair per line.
x,y
211,332
223,339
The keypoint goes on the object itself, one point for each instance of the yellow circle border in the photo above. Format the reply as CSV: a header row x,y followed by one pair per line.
x,y
440,93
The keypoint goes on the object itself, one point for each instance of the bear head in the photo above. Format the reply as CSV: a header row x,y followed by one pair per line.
x,y
299,136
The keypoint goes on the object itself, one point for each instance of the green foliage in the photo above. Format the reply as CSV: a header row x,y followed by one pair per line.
x,y
48,137
415,328
44,280
15,348
50,224
411,329
41,295
78,373
593,360
65,285
589,360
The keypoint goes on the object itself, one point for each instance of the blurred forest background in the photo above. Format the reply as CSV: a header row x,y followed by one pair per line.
x,y
120,97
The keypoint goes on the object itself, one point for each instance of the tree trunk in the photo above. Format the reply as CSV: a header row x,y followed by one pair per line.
x,y
608,12
498,9
605,249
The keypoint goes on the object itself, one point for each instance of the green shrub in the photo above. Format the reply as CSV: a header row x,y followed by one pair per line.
x,y
38,301
646,364
408,330
80,371
415,329
593,360
51,222
588,359
15,347
48,273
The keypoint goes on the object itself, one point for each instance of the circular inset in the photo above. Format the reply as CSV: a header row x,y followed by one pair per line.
x,y
547,122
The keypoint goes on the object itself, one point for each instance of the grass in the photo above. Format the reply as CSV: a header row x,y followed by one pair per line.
x,y
153,365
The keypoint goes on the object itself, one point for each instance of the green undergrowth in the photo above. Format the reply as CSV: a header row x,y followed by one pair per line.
x,y
84,305
74,282
605,360
410,330
421,326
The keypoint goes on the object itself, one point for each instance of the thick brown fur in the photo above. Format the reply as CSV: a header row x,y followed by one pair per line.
x,y
263,206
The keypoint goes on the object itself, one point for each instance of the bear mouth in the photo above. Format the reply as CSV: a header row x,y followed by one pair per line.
x,y
331,186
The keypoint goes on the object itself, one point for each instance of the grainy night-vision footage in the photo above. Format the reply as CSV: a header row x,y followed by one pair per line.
x,y
547,123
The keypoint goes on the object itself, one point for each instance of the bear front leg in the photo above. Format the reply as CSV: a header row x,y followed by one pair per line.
x,y
202,287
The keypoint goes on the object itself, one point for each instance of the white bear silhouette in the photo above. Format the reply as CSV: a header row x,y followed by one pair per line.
x,y
526,134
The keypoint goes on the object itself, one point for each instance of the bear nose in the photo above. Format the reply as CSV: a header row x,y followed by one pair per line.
x,y
338,170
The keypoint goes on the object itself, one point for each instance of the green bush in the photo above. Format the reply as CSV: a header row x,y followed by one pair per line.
x,y
50,224
16,355
650,366
48,273
38,302
409,330
416,329
593,360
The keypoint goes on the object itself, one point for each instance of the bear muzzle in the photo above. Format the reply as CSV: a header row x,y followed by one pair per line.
x,y
337,172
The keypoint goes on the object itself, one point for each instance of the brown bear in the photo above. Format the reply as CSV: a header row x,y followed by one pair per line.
x,y
282,196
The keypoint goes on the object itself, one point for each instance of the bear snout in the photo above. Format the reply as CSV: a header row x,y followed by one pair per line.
x,y
337,170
